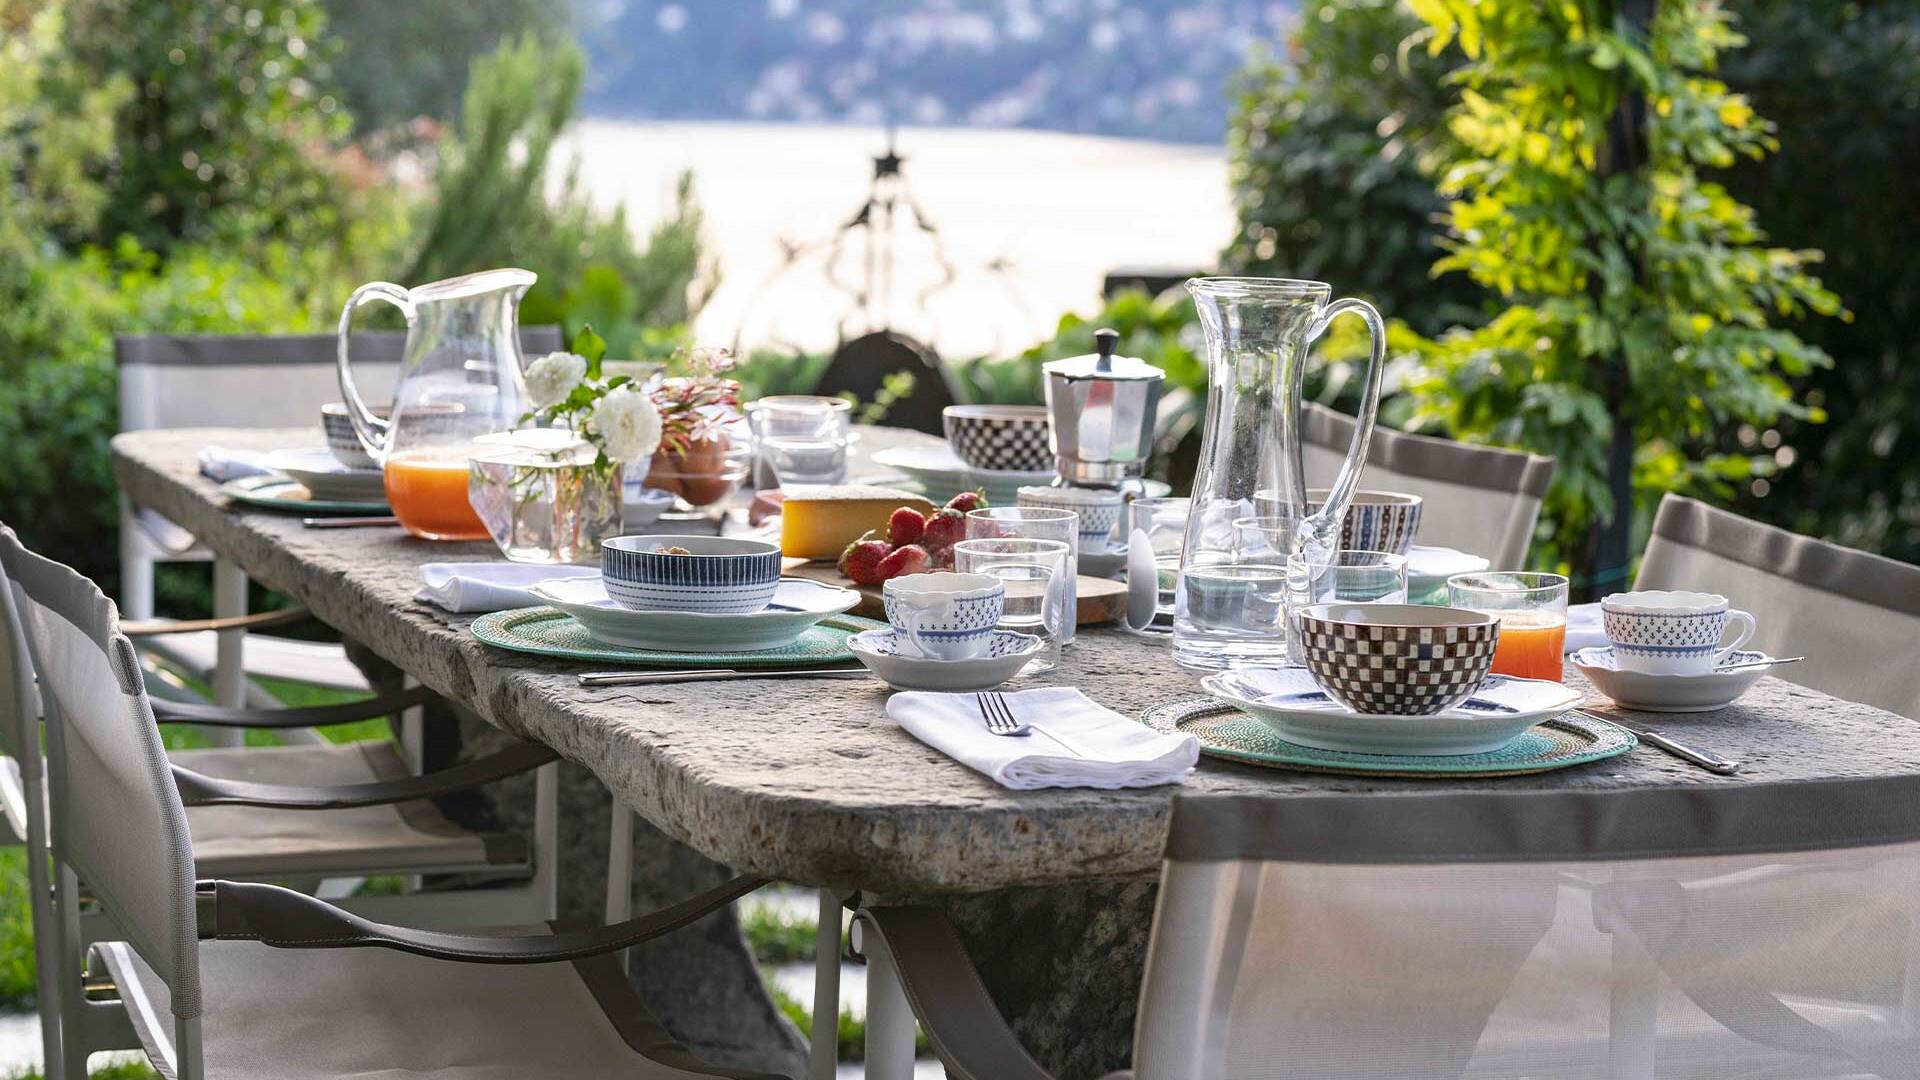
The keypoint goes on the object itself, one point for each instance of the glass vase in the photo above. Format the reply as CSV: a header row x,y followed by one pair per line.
x,y
545,505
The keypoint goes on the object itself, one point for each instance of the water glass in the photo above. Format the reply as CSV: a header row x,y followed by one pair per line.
x,y
1532,609
1030,571
1164,520
804,459
800,439
1037,523
1341,577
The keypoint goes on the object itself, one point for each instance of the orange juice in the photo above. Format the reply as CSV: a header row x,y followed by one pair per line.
x,y
1530,644
428,492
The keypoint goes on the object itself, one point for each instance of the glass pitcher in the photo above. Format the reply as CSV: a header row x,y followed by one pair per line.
x,y
459,379
1230,601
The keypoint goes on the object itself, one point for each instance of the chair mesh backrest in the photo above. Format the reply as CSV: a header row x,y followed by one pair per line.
x,y
1847,611
1738,930
19,701
1479,499
117,818
245,380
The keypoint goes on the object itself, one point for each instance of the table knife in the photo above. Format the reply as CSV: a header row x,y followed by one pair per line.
x,y
628,678
1711,762
347,522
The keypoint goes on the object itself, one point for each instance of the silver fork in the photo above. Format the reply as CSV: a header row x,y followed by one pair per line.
x,y
999,718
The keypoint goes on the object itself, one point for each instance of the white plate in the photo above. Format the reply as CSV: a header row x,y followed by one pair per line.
x,y
316,469
1428,569
1006,654
1704,692
797,605
1290,702
944,475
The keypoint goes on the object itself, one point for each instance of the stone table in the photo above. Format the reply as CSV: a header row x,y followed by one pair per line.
x,y
809,782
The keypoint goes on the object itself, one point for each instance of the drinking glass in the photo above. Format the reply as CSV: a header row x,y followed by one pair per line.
x,y
1164,520
1346,576
804,459
1037,523
1030,570
1532,609
806,434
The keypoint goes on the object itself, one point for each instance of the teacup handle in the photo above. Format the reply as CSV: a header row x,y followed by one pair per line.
x,y
1747,628
913,617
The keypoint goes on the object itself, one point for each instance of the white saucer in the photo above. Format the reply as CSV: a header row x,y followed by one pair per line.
x,y
797,605
1428,569
1288,700
317,470
1006,654
941,472
1704,692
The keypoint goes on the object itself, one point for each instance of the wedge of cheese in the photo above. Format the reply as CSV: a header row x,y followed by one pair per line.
x,y
819,521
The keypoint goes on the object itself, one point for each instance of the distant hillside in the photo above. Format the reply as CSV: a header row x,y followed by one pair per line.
x,y
1144,68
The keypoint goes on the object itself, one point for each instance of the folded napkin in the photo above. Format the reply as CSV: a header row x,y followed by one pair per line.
x,y
1583,627
1119,753
489,586
219,464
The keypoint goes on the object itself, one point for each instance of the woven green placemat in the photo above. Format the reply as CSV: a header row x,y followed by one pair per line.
x,y
280,493
1226,732
544,631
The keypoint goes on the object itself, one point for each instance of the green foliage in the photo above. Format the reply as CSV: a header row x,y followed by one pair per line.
x,y
58,132
407,60
492,208
1642,295
1839,79
1333,149
123,1070
775,939
229,136
18,991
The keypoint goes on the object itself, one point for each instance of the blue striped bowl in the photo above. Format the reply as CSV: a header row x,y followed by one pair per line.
x,y
722,576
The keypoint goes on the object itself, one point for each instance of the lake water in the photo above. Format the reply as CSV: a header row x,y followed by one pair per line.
x,y
1030,222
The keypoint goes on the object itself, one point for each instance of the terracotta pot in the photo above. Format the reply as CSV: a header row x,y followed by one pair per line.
x,y
699,474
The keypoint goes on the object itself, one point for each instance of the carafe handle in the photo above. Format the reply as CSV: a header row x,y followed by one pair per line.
x,y
372,430
1326,521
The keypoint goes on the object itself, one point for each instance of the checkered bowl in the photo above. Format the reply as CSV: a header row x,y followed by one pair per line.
x,y
1001,438
1397,659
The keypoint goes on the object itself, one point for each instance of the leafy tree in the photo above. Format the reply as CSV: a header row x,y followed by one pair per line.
x,y
399,61
1641,296
229,134
1333,148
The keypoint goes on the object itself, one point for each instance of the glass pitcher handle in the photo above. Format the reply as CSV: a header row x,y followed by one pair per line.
x,y
1342,489
370,428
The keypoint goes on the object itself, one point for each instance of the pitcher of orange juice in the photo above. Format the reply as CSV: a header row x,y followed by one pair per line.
x,y
459,379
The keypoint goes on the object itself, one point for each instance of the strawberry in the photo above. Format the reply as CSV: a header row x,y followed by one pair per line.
x,y
905,526
841,565
908,559
968,500
865,561
944,529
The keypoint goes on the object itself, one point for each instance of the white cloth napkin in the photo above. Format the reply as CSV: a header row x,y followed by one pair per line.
x,y
489,586
219,464
1583,627
1119,753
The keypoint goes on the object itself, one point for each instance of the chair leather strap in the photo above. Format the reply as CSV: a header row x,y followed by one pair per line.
x,y
284,919
187,712
944,989
199,789
259,620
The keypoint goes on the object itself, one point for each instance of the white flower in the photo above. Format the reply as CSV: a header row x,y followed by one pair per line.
x,y
552,377
627,424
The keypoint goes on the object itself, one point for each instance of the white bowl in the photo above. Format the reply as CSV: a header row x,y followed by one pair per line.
x,y
1289,701
885,654
797,606
1702,692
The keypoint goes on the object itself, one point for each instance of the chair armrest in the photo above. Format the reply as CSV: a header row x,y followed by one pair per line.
x,y
962,1023
284,919
188,712
259,620
199,789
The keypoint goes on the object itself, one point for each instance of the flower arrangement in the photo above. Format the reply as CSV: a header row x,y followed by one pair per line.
x,y
695,409
617,417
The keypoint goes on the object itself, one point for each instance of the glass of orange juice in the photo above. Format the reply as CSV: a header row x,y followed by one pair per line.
x,y
1532,609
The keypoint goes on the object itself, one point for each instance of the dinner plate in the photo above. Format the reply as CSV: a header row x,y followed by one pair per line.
x,y
274,492
545,631
321,473
796,607
1288,700
881,651
1646,692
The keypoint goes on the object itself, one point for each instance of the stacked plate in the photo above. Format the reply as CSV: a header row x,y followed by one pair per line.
x,y
326,479
797,606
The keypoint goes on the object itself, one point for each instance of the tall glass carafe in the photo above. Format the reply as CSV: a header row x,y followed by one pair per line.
x,y
459,379
1230,603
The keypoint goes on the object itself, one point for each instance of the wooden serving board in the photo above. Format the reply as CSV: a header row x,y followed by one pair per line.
x,y
1101,600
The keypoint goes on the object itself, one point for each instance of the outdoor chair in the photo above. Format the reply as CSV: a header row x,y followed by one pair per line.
x,y
1840,607
190,381
861,367
299,813
1480,499
1684,931
226,979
